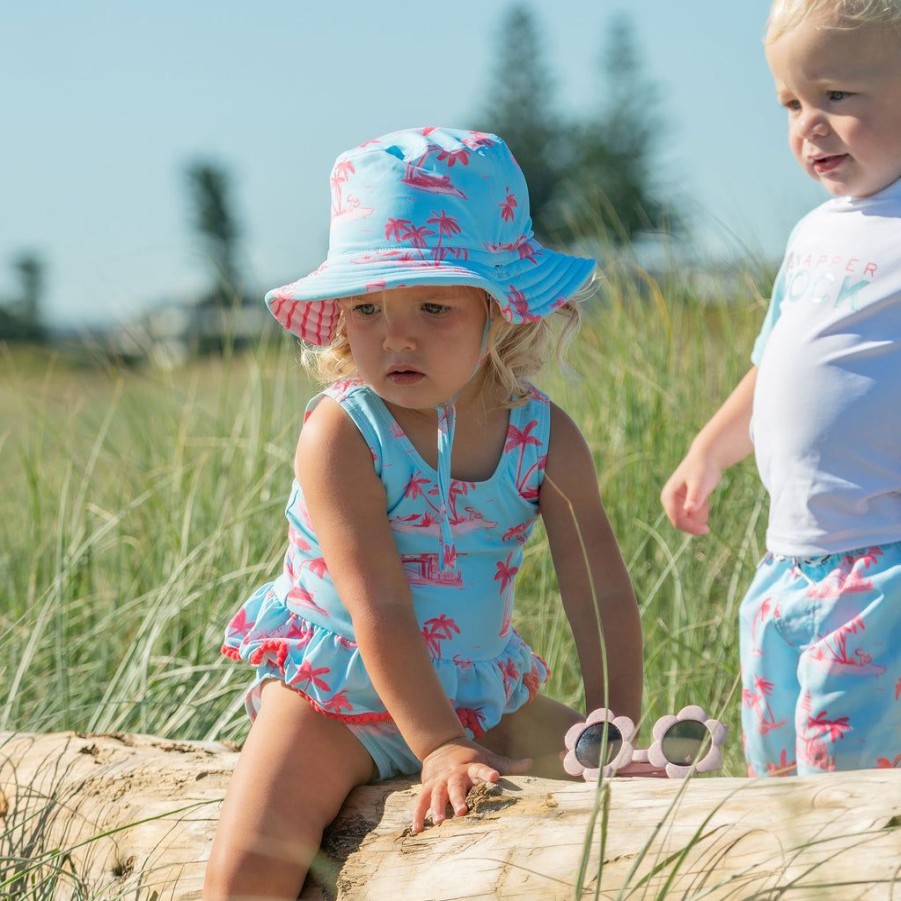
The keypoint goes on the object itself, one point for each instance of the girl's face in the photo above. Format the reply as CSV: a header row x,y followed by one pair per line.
x,y
842,91
417,347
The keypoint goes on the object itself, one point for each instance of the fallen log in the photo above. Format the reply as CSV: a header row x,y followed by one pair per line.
x,y
133,816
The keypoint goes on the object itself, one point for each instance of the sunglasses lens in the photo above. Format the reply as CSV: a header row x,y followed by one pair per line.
x,y
685,742
591,744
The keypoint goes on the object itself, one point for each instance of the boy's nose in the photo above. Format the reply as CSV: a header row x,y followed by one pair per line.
x,y
813,125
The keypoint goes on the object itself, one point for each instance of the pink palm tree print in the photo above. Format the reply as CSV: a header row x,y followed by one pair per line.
x,y
832,651
819,733
338,702
785,767
760,617
848,576
452,157
520,439
438,629
472,719
510,675
757,701
505,573
306,675
508,206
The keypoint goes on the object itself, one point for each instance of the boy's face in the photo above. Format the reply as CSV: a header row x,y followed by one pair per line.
x,y
842,90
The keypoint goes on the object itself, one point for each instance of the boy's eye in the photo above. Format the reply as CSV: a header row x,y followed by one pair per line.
x,y
836,95
793,105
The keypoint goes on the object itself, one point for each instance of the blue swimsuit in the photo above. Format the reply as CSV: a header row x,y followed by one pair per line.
x,y
295,629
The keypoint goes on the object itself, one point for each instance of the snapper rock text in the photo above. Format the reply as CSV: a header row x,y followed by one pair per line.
x,y
823,277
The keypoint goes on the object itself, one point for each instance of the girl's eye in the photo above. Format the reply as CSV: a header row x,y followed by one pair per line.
x,y
435,309
365,309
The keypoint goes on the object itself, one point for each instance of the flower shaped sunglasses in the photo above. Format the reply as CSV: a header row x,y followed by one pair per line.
x,y
685,743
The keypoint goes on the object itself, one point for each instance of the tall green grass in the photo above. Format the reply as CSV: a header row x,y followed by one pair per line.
x,y
140,508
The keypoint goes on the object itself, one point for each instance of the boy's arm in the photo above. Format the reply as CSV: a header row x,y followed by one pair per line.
x,y
594,584
723,442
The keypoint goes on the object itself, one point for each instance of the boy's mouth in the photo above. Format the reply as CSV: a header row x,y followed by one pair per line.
x,y
825,164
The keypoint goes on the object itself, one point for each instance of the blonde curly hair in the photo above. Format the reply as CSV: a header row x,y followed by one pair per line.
x,y
839,14
514,353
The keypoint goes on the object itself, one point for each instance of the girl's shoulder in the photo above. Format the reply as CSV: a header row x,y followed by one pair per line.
x,y
341,389
534,399
354,411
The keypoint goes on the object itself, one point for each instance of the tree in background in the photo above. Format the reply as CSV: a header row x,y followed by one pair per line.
x,y
520,109
587,178
217,227
21,320
611,190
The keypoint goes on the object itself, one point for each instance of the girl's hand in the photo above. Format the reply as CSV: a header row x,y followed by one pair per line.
x,y
451,770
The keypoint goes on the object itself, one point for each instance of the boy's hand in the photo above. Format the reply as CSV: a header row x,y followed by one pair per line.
x,y
685,495
451,770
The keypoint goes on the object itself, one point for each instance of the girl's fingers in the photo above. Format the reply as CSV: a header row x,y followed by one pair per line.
x,y
439,803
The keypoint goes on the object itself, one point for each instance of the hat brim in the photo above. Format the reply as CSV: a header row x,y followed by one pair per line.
x,y
526,289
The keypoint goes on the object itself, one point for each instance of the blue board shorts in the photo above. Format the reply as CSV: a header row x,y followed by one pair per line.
x,y
820,647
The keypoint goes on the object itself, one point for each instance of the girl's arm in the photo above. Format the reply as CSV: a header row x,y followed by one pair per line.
x,y
723,442
347,508
594,585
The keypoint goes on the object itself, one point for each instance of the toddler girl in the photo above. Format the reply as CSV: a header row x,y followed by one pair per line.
x,y
385,647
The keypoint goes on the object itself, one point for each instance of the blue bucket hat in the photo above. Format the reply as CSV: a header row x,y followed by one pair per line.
x,y
429,206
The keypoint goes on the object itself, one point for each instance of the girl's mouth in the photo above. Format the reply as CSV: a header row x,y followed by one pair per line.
x,y
400,376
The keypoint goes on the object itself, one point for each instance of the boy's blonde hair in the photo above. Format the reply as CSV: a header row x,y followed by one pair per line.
x,y
845,14
514,352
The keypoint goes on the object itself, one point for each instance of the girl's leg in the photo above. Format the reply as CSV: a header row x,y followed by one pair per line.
x,y
294,773
536,730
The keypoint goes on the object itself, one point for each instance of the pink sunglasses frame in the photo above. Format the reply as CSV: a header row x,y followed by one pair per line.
x,y
628,753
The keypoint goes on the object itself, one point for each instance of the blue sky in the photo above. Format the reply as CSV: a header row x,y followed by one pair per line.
x,y
104,103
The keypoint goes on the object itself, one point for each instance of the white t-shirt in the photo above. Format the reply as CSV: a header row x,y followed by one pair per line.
x,y
826,424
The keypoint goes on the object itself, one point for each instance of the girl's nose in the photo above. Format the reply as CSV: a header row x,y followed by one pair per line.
x,y
398,333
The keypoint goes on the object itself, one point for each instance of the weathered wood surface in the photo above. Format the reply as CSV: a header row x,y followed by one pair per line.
x,y
155,803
